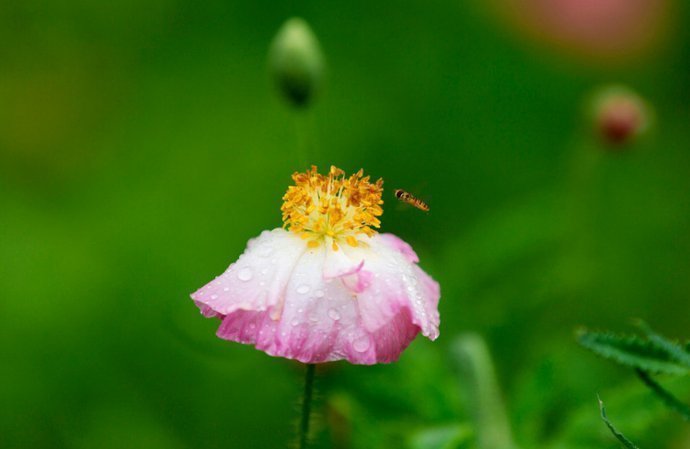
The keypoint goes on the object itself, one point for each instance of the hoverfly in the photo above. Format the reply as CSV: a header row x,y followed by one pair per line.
x,y
412,200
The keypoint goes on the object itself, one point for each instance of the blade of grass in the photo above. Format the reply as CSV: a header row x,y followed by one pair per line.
x,y
619,436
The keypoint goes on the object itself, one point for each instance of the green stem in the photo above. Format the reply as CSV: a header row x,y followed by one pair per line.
x,y
302,133
666,397
307,138
306,405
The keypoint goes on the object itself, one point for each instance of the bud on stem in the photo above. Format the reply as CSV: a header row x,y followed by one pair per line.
x,y
296,62
620,116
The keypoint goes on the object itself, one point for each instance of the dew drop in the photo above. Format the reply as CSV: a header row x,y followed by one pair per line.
x,y
361,344
214,296
245,274
302,289
313,317
294,322
226,289
319,293
334,314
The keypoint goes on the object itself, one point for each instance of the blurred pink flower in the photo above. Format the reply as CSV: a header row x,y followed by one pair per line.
x,y
595,28
330,287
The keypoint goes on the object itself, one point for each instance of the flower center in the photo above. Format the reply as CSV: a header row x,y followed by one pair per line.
x,y
332,208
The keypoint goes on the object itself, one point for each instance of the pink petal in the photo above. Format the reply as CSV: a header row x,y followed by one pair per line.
x,y
339,264
399,244
363,304
257,280
398,284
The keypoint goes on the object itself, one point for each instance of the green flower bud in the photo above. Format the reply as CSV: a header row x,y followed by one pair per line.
x,y
296,62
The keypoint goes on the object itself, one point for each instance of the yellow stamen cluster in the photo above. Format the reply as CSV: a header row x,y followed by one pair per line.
x,y
332,208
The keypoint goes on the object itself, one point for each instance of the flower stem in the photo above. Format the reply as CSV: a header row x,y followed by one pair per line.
x,y
306,405
307,138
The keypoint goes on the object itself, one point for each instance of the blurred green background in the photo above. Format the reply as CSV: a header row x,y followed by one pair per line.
x,y
142,144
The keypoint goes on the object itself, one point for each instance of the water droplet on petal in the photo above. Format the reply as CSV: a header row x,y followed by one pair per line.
x,y
302,289
313,317
245,274
214,296
319,293
334,314
361,344
294,322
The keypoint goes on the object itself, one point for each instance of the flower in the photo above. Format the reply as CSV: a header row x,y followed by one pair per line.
x,y
608,31
326,286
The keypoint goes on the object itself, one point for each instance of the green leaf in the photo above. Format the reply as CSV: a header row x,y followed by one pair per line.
x,y
678,352
666,397
626,442
456,436
476,371
632,351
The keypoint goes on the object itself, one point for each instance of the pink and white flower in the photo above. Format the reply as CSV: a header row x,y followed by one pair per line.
x,y
329,287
